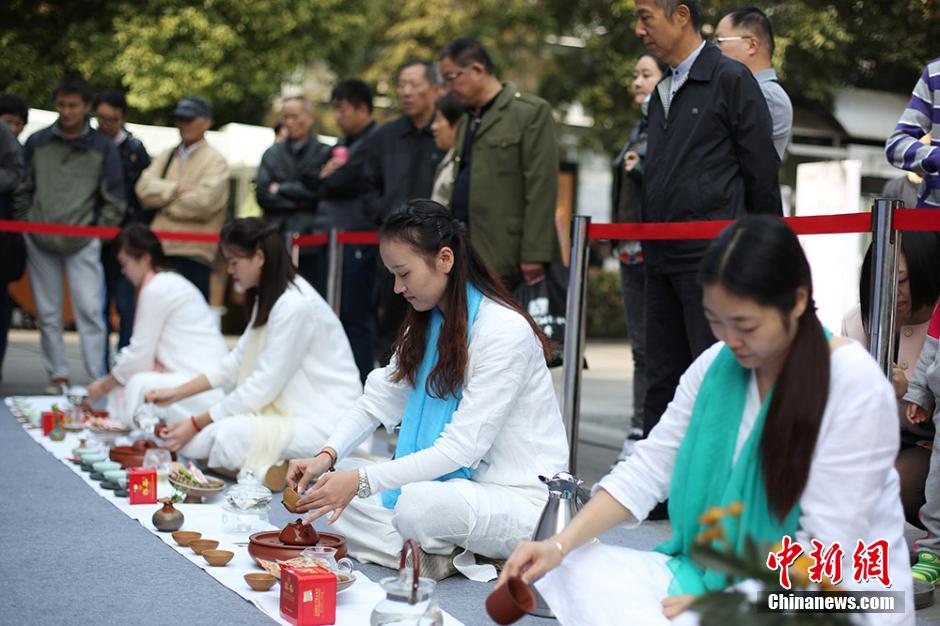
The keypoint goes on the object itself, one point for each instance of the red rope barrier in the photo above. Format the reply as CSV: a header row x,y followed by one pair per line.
x,y
917,219
359,237
904,220
102,232
309,241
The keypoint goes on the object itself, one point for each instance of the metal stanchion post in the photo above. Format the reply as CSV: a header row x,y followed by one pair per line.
x,y
884,281
574,335
334,279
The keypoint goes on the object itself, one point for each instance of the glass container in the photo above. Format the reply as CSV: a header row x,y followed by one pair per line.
x,y
409,598
245,505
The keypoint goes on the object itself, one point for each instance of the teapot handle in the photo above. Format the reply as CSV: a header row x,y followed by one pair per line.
x,y
411,546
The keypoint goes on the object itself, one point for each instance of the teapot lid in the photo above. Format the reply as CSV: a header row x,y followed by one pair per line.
x,y
562,484
248,494
401,588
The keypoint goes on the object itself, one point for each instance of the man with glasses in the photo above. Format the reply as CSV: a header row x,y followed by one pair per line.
x,y
747,35
506,164
111,112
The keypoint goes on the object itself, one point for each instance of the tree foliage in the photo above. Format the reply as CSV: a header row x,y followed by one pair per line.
x,y
239,53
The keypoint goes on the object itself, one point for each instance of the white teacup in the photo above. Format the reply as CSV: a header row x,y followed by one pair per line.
x,y
328,556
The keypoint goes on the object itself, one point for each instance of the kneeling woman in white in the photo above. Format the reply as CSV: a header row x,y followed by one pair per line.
x,y
799,427
175,334
290,378
479,420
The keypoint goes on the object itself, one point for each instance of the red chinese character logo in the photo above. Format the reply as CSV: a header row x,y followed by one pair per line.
x,y
786,556
826,563
871,562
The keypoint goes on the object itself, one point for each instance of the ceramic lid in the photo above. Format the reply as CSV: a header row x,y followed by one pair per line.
x,y
248,495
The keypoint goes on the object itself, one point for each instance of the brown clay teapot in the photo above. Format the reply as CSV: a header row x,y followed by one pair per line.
x,y
299,534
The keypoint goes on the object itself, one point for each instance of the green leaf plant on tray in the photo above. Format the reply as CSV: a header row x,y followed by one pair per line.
x,y
732,606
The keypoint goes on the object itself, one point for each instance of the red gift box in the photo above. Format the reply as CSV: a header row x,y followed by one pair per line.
x,y
308,596
49,419
142,485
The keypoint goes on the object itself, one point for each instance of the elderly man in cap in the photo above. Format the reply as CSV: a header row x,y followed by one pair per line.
x,y
188,187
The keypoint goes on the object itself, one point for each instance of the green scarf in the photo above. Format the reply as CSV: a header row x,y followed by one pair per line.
x,y
705,476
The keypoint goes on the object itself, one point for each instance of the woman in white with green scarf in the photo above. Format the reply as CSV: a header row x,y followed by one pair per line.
x,y
289,379
798,426
469,386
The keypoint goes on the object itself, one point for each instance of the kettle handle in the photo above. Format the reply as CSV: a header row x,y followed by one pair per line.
x,y
412,546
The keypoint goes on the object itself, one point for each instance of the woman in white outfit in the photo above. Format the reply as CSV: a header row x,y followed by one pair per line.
x,y
288,381
175,334
469,386
798,426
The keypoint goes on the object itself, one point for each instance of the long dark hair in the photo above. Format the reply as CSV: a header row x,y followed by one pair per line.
x,y
243,237
428,227
922,252
136,240
760,258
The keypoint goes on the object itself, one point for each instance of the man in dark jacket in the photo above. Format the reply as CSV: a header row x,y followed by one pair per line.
x,y
400,166
710,156
111,111
344,204
285,200
506,156
70,150
12,250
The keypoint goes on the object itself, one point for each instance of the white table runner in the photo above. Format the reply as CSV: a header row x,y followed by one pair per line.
x,y
353,606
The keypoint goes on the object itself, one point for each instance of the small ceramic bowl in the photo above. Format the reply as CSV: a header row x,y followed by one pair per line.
x,y
105,466
217,558
89,451
114,475
91,459
260,582
184,537
199,545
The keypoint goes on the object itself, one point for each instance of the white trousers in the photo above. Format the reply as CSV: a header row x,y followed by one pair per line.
x,y
602,584
123,402
481,518
47,271
226,443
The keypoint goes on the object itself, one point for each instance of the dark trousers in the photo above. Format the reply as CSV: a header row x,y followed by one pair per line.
x,y
120,291
357,301
676,333
392,309
633,291
6,310
196,272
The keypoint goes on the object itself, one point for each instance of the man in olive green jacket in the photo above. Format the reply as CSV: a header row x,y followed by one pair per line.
x,y
506,173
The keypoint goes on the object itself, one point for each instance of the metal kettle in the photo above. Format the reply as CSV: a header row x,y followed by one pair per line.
x,y
566,496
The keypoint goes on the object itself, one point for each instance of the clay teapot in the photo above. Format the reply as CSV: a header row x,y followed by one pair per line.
x,y
168,518
299,534
142,445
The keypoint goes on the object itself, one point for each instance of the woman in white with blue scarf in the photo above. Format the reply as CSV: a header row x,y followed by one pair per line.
x,y
469,386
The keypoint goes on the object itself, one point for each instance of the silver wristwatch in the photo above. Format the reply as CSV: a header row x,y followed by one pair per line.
x,y
365,489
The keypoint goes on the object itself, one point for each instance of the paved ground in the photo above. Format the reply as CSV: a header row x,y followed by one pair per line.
x,y
606,396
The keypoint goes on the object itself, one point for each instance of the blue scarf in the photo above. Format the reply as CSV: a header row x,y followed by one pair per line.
x,y
427,415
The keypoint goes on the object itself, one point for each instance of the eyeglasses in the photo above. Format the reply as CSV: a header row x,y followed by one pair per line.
x,y
451,77
720,40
